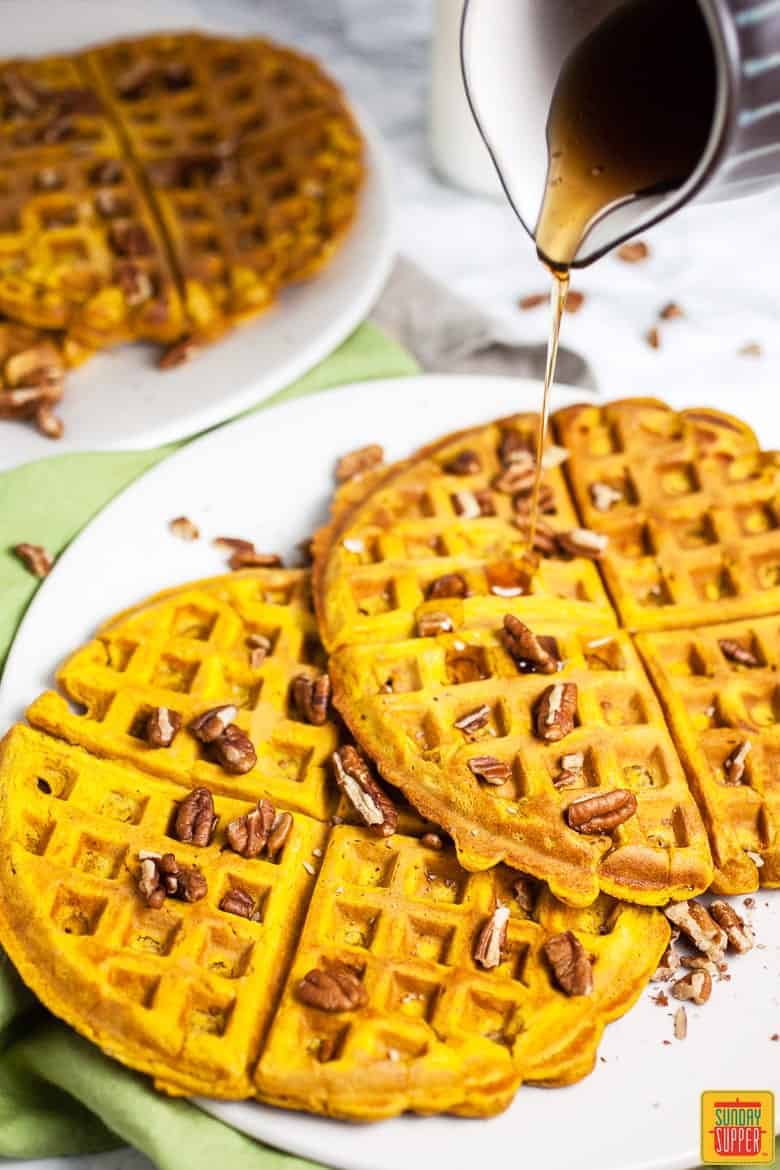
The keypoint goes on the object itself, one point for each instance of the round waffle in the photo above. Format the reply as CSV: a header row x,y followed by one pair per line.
x,y
206,994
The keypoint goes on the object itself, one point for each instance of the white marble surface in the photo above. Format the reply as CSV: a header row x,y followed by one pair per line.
x,y
719,263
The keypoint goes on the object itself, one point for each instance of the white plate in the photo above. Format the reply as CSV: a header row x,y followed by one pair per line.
x,y
119,400
268,478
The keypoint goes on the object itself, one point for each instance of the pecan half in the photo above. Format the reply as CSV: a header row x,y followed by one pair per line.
x,y
372,805
473,720
195,819
311,697
150,886
358,462
571,967
48,423
699,927
464,463
581,542
162,727
240,903
735,652
633,252
695,986
492,939
555,712
527,652
212,723
739,935
545,539
433,623
734,765
35,558
546,503
602,812
335,989
671,311
490,770
248,835
234,751
450,585
184,528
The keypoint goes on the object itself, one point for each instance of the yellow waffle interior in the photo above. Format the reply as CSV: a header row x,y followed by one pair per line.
x,y
206,1000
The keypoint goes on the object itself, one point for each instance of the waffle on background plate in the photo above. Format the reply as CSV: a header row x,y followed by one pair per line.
x,y
289,952
163,189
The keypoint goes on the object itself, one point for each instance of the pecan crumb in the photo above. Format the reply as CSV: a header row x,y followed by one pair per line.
x,y
492,939
372,805
604,496
680,1023
35,558
464,463
750,349
337,988
178,353
653,337
450,585
212,723
195,820
162,727
234,751
433,623
734,764
555,712
735,652
184,528
601,813
571,967
311,697
581,542
633,252
525,649
490,770
356,463
533,301
696,986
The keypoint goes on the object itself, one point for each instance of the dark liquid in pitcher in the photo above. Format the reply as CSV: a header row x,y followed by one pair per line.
x,y
630,116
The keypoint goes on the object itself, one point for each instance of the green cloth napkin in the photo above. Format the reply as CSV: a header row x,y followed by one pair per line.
x,y
58,1093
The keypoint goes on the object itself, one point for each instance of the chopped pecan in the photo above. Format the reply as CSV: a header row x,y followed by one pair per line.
x,y
519,477
464,463
492,939
533,301
751,349
527,652
571,967
633,252
513,448
602,812
554,456
508,579
473,720
735,652
338,988
35,558
472,505
130,239
48,423
555,712
604,496
195,819
311,697
653,337
450,585
212,723
526,890
135,284
372,805
734,764
490,770
680,1023
738,933
234,751
695,986
581,542
192,885
259,649
432,623
180,352
699,927
669,962
240,903
184,528
356,463
250,558
670,311
248,834
432,841
574,301
162,727
571,770
701,963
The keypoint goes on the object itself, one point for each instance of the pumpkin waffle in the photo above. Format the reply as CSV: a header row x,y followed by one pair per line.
x,y
718,685
689,503
205,995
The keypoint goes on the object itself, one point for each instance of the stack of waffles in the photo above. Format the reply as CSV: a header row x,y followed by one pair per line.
x,y
409,829
160,189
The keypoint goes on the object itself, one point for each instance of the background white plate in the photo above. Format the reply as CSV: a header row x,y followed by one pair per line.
x,y
120,400
268,478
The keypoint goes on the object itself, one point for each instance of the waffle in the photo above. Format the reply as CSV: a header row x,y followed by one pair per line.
x,y
693,536
209,1001
715,705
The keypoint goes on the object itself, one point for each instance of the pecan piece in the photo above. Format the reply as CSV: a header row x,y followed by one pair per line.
x,y
545,540
433,623
259,649
473,720
280,831
739,935
518,478
212,723
604,496
335,989
311,697
490,770
734,764
571,967
250,558
695,986
432,841
680,1023
356,463
177,354
554,456
581,542
526,890
633,252
464,463
525,649
240,903
35,558
450,585
161,876
601,813
162,727
150,886
735,652
135,284
130,239
492,939
372,805
195,819
472,505
184,528
669,961
555,712
234,751
699,927
48,423
571,771
533,301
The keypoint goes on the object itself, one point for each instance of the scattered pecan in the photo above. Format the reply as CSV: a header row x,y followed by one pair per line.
x,y
473,720
555,712
234,751
581,542
533,301
311,697
513,447
508,579
518,477
602,812
554,456
695,986
35,558
212,723
604,496
162,727
472,505
750,349
48,423
735,652
492,939
545,541
464,463
574,301
432,841
739,935
195,819
232,543
634,252
525,649
680,1023
192,885
135,284
734,765
433,623
669,962
653,337
259,649
338,988
130,239
184,528
240,903
699,927
150,886
177,354
450,585
490,770
571,967
670,311
250,558
571,770
356,463
526,890
372,805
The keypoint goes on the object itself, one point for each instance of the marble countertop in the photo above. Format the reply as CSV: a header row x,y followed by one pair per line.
x,y
718,263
